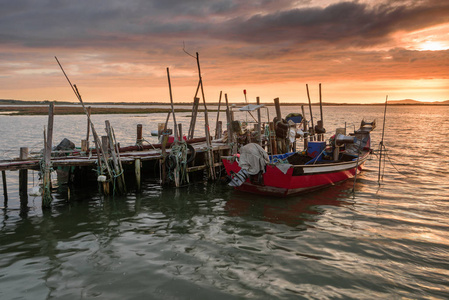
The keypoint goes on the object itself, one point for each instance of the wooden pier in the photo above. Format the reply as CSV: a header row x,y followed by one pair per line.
x,y
86,166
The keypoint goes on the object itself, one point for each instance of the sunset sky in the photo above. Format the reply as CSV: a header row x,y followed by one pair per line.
x,y
360,51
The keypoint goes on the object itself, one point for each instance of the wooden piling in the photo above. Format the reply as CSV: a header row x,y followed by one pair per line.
x,y
5,189
118,171
231,139
217,131
88,112
310,108
281,145
139,137
46,190
259,122
206,122
84,146
137,168
23,179
196,102
305,130
172,106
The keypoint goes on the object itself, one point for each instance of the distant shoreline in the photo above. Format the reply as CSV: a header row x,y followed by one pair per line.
x,y
19,107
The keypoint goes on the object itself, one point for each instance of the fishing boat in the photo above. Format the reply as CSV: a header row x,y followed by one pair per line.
x,y
319,165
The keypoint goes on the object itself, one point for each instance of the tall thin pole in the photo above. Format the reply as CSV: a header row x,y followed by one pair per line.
x,y
321,106
206,122
310,109
218,115
382,140
172,107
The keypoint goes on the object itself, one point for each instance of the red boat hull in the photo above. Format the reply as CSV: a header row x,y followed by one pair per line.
x,y
297,179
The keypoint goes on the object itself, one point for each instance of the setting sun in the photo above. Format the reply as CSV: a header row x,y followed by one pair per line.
x,y
433,46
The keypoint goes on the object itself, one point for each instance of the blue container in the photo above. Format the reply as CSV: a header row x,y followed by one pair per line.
x,y
315,148
296,119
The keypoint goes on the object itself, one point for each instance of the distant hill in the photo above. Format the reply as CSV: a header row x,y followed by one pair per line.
x,y
411,101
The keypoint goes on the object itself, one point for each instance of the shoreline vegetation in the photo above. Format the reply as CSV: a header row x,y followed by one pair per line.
x,y
20,107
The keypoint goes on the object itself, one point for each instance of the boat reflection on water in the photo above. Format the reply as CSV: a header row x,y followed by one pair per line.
x,y
292,211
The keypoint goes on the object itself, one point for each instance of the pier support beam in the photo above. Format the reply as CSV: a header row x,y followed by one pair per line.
x,y
5,189
137,168
46,191
23,180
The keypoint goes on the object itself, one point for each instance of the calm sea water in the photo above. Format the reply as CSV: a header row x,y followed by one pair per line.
x,y
205,241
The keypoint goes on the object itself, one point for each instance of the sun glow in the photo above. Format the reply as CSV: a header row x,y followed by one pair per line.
x,y
433,46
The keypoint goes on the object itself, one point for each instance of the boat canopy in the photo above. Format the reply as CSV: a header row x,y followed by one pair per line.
x,y
251,107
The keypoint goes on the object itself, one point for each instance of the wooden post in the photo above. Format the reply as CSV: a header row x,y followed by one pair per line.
x,y
259,122
89,110
139,137
180,131
46,191
105,154
164,156
105,145
23,179
5,188
305,130
84,145
210,155
94,133
280,141
115,160
160,128
217,132
196,102
321,108
206,121
137,167
172,106
231,139
310,108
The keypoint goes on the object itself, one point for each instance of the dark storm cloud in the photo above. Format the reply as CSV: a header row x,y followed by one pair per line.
x,y
127,23
348,22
